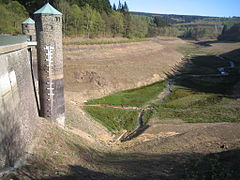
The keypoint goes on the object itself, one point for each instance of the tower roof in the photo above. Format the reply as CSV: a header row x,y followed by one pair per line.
x,y
28,21
47,9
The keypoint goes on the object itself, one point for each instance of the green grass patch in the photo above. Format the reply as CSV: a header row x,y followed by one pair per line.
x,y
197,107
133,97
182,98
106,42
117,119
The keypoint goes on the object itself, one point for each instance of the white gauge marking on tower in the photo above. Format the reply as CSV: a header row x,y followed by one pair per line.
x,y
49,58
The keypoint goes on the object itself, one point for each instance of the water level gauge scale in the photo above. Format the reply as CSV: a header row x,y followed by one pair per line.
x,y
49,59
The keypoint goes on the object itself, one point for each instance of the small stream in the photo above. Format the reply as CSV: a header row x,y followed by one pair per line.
x,y
222,72
167,92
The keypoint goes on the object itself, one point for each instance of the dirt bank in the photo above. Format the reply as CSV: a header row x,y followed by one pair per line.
x,y
97,70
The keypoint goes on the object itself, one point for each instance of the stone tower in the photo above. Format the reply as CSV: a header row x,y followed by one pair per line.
x,y
28,28
48,23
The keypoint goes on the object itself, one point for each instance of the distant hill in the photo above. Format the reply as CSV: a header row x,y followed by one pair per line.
x,y
180,19
173,18
196,27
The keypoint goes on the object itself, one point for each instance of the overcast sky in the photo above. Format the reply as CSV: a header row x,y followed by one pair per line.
x,y
222,8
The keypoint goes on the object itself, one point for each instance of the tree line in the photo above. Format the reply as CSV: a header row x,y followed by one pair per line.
x,y
88,18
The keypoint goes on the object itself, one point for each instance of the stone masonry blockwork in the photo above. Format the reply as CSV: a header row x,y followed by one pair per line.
x,y
51,83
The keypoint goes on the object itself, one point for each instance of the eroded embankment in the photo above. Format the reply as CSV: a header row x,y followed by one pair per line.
x,y
98,70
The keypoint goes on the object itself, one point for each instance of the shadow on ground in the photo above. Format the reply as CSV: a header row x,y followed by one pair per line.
x,y
136,133
221,166
209,43
201,73
206,43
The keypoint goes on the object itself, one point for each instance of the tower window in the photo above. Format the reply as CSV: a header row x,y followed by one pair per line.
x,y
58,19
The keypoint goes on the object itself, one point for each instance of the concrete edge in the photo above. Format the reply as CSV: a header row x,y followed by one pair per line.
x,y
14,47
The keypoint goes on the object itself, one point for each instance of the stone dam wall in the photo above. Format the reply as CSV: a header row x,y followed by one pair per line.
x,y
18,107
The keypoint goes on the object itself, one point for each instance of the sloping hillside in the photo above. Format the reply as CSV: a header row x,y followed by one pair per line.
x,y
233,34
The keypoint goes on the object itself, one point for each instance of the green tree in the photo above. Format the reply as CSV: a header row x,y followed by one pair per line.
x,y
114,7
33,5
119,5
99,25
187,33
117,23
88,19
64,7
93,22
18,13
5,1
125,7
160,22
5,26
107,21
107,6
75,25
168,31
138,27
11,17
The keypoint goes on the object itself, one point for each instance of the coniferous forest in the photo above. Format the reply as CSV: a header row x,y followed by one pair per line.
x,y
87,18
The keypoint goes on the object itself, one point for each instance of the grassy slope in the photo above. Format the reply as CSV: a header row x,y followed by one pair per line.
x,y
117,119
133,97
114,119
197,107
